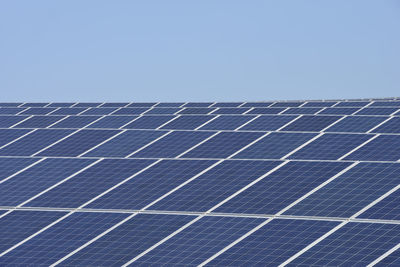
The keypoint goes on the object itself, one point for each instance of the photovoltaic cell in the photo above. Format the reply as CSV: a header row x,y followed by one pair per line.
x,y
339,111
113,104
376,111
356,124
302,111
10,111
148,122
284,186
39,121
257,104
9,166
37,111
198,105
311,123
99,111
151,184
89,183
382,148
385,104
226,122
8,135
8,121
68,111
169,104
227,104
350,192
34,104
138,105
75,122
265,110
319,104
196,110
388,208
10,104
162,111
230,110
131,111
60,104
268,123
187,122
287,104
391,126
111,122
352,104
87,104
392,260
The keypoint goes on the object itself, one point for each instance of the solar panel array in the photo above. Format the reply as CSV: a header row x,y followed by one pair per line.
x,y
253,183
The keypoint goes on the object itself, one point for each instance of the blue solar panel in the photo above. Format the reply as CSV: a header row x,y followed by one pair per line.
x,y
62,238
223,145
257,104
87,104
230,110
385,104
112,122
37,178
319,104
226,122
33,142
355,124
302,111
265,111
196,110
198,105
199,241
99,111
388,208
8,135
330,146
148,122
169,104
8,121
124,144
9,166
339,111
227,104
376,111
113,104
352,104
68,111
10,104
138,105
282,187
78,143
10,111
287,104
353,244
391,126
274,243
392,260
350,192
187,122
275,146
34,104
311,123
151,184
162,111
268,123
75,122
130,111
39,121
215,185
60,104
382,148
167,147
89,183
37,111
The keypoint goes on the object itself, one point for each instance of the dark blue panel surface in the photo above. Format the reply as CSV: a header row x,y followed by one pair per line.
x,y
187,122
148,122
89,183
385,104
36,104
226,122
169,104
275,145
257,104
274,243
355,244
151,184
392,260
33,142
376,111
302,111
39,121
62,238
265,111
18,225
60,104
87,104
198,104
331,146
8,135
282,187
112,122
99,111
10,111
319,104
268,123
199,241
138,105
389,207
114,104
8,104
356,124
382,148
75,122
128,240
130,111
8,121
215,185
172,144
37,111
37,178
227,104
339,111
287,104
352,104
124,144
350,192
230,110
196,110
68,111
78,143
223,145
311,123
162,111
391,126
9,166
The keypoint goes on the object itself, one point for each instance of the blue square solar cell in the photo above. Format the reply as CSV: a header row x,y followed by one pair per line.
x,y
172,145
274,146
61,105
199,241
39,121
356,124
87,105
10,104
354,244
268,123
162,111
68,111
274,243
196,110
36,104
226,122
32,143
382,148
114,104
89,183
287,104
377,111
350,192
212,187
78,143
99,111
37,178
223,145
148,122
391,260
198,104
169,104
227,104
319,104
8,121
75,122
187,122
59,240
141,105
18,225
230,110
385,104
282,187
388,208
352,104
330,146
8,135
37,111
131,111
257,104
311,123
111,122
302,111
9,166
127,240
124,144
391,126
339,111
265,111
11,111
151,184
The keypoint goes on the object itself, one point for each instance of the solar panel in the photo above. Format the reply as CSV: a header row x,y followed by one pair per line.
x,y
200,183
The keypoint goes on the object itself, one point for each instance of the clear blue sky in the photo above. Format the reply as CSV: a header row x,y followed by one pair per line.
x,y
218,50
